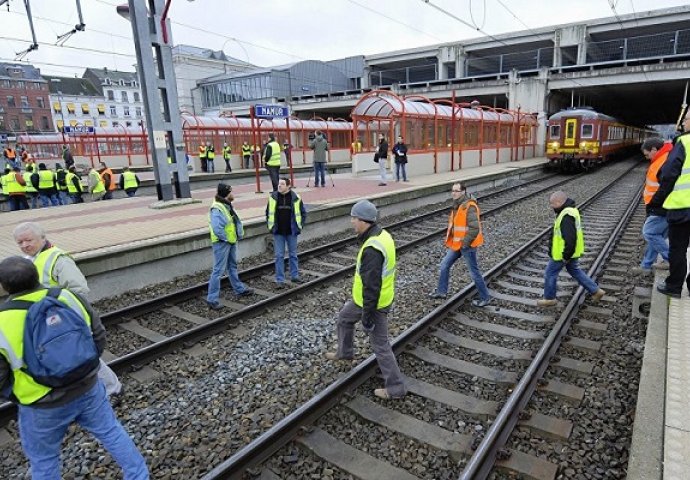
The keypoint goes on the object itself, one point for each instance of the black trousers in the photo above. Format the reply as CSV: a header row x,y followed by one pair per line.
x,y
678,240
274,173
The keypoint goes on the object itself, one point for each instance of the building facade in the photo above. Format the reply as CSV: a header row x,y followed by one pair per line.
x,y
75,102
122,103
24,100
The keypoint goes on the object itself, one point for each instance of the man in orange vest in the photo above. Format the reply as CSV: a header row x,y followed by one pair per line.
x,y
463,236
108,181
655,229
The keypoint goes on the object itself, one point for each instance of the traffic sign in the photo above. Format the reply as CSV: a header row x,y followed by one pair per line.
x,y
271,111
79,129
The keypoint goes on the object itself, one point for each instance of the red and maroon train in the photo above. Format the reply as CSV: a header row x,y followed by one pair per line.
x,y
580,138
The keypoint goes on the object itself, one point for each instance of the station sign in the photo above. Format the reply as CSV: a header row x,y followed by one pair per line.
x,y
271,111
80,129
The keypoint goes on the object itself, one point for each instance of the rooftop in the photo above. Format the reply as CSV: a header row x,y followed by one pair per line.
x,y
24,71
72,86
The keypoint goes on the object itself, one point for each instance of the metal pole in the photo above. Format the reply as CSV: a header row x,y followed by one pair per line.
x,y
452,131
254,159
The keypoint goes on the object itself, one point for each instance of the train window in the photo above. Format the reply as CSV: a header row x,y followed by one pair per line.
x,y
587,130
555,131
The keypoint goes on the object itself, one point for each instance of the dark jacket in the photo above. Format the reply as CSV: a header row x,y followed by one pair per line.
x,y
568,231
400,152
668,175
286,221
370,270
320,147
62,395
383,149
68,158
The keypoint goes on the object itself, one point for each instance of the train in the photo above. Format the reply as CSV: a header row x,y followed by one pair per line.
x,y
582,138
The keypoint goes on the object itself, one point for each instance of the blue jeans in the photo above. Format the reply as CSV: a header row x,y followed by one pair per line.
x,y
43,429
210,167
279,242
224,258
573,268
48,200
131,192
62,197
34,199
469,254
400,167
655,233
319,170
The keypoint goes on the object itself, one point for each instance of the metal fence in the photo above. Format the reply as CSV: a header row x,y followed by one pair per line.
x,y
645,46
521,61
419,73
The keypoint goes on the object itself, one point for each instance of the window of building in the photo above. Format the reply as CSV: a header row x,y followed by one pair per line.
x,y
2,122
122,83
29,122
103,123
60,124
126,111
21,84
129,124
24,101
10,102
15,124
45,123
138,111
111,95
85,108
107,81
555,131
113,111
116,124
73,123
136,97
124,96
70,108
6,84
88,123
587,130
40,103
101,109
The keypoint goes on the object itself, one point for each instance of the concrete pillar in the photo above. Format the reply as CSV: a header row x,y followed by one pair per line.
x,y
529,95
557,58
365,77
460,60
582,48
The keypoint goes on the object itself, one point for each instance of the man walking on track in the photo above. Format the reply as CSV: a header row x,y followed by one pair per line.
x,y
373,291
567,246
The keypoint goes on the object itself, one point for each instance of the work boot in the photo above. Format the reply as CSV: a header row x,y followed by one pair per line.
x,y
333,356
598,295
547,302
437,294
663,265
382,393
641,271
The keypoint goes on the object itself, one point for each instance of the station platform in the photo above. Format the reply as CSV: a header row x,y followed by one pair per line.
x,y
660,447
114,235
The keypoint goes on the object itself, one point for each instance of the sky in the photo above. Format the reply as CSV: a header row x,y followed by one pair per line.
x,y
275,32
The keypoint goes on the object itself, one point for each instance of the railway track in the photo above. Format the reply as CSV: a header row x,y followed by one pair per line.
x,y
497,355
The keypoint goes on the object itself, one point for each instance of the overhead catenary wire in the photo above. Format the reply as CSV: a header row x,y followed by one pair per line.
x,y
406,25
467,24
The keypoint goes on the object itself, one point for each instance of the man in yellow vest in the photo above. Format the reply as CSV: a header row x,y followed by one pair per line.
x,y
14,187
655,229
210,157
226,229
31,192
44,181
56,268
373,291
202,157
129,182
227,153
567,246
674,191
463,236
246,154
45,413
285,215
272,157
74,186
96,186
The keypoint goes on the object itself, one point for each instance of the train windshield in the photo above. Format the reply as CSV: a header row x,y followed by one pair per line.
x,y
555,131
570,129
587,130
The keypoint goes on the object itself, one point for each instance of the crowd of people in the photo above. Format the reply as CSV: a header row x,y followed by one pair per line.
x,y
28,185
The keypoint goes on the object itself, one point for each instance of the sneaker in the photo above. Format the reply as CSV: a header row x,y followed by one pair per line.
x,y
663,265
437,294
547,302
214,306
406,180
481,303
280,285
641,271
598,295
247,291
296,280
116,398
663,289
382,184
382,393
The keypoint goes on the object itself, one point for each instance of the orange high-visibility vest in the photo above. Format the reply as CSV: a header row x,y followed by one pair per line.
x,y
112,185
457,227
651,184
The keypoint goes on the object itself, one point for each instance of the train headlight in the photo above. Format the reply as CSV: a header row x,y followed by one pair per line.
x,y
583,144
555,144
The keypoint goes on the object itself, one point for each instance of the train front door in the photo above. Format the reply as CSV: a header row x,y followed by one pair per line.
x,y
570,132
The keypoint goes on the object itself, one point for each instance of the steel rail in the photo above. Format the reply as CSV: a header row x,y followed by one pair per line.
x,y
268,443
481,463
137,359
